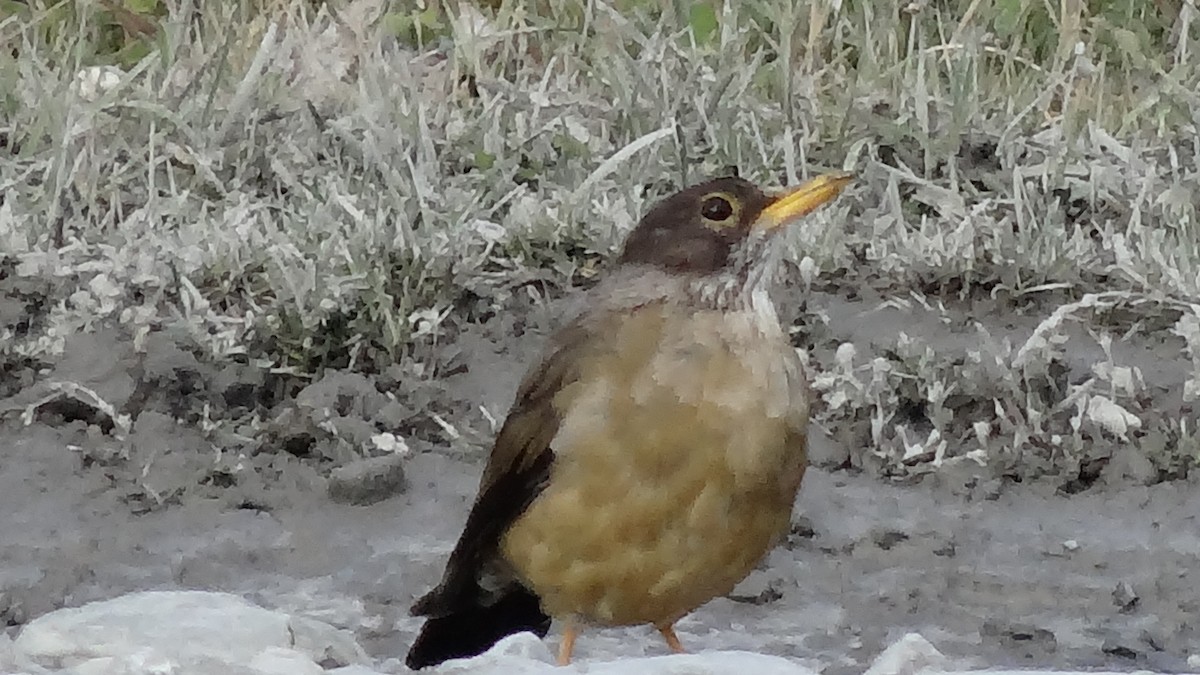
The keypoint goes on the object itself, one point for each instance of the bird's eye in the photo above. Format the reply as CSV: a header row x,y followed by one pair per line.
x,y
716,208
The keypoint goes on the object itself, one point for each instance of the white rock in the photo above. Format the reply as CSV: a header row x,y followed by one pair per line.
x,y
1109,415
525,654
6,649
909,655
181,633
10,662
520,653
354,670
106,665
134,664
284,661
1002,671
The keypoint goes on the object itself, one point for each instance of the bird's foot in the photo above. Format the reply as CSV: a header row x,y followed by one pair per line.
x,y
567,645
668,633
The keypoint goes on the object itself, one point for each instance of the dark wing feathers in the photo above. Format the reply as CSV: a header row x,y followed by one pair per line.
x,y
516,472
474,630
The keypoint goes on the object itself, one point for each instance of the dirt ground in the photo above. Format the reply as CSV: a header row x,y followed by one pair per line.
x,y
992,572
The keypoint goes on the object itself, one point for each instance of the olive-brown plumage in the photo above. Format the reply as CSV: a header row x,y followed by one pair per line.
x,y
652,455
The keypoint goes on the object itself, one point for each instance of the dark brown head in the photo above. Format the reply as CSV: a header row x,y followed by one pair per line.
x,y
721,227
696,230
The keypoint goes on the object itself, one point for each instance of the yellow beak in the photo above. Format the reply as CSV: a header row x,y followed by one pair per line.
x,y
802,201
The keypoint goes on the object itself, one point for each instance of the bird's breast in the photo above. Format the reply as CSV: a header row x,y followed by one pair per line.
x,y
679,451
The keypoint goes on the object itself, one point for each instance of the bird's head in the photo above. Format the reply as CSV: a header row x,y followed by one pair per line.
x,y
720,233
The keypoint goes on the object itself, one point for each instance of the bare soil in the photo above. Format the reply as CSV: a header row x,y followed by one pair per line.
x,y
993,571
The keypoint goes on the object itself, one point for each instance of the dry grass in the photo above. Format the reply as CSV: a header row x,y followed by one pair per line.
x,y
344,187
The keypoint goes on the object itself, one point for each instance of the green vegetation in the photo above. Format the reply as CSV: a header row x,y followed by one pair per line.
x,y
303,186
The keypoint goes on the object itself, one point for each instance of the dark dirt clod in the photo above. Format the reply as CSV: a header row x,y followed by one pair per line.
x,y
1027,639
886,539
1114,648
1124,597
367,481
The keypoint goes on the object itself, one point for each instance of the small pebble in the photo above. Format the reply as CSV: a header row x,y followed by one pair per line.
x,y
887,539
368,481
1124,597
1115,647
758,588
910,654
1030,640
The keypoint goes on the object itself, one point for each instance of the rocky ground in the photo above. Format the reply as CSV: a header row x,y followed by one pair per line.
x,y
993,572
269,275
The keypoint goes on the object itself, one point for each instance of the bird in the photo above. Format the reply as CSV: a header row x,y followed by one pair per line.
x,y
653,453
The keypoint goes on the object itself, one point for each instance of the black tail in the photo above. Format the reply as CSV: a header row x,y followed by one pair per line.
x,y
471,630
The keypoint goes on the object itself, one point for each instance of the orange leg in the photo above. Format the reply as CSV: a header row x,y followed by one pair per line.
x,y
668,633
570,632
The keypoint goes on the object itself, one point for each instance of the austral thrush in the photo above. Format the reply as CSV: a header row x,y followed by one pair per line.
x,y
653,455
